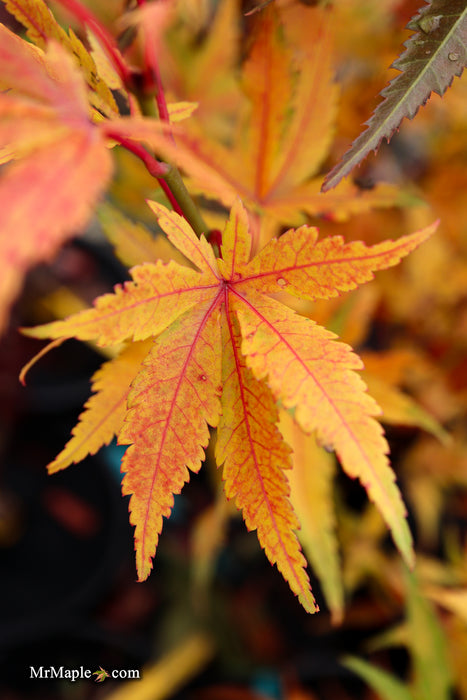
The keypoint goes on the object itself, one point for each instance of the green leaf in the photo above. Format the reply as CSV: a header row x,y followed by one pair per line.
x,y
434,55
432,674
427,646
383,683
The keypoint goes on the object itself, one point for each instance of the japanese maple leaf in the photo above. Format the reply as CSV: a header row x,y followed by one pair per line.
x,y
282,138
226,353
57,159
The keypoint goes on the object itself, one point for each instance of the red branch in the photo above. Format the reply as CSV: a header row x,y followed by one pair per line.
x,y
153,75
153,166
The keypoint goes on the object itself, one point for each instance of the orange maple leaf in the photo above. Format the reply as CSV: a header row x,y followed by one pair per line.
x,y
280,142
225,353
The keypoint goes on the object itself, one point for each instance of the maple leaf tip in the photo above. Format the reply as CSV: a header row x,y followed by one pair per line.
x,y
143,568
333,177
308,602
143,575
425,233
327,184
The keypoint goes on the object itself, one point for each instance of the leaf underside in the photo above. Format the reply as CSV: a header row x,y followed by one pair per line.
x,y
433,56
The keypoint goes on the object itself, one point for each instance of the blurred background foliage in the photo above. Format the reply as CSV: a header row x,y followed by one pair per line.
x,y
215,621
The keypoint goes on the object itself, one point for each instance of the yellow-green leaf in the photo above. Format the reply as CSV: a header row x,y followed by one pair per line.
x,y
134,244
311,494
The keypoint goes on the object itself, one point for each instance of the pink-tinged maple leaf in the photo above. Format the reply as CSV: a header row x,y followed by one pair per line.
x,y
56,160
226,353
59,169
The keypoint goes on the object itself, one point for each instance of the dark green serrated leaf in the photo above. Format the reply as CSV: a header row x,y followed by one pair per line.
x,y
434,55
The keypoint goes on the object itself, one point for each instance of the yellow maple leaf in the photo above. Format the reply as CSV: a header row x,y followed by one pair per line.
x,y
105,410
133,243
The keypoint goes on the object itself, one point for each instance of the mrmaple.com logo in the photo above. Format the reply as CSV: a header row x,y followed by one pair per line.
x,y
74,674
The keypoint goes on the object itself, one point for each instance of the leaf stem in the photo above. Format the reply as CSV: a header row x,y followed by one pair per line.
x,y
189,209
174,181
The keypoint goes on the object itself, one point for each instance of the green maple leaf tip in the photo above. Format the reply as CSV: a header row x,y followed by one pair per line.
x,y
101,675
